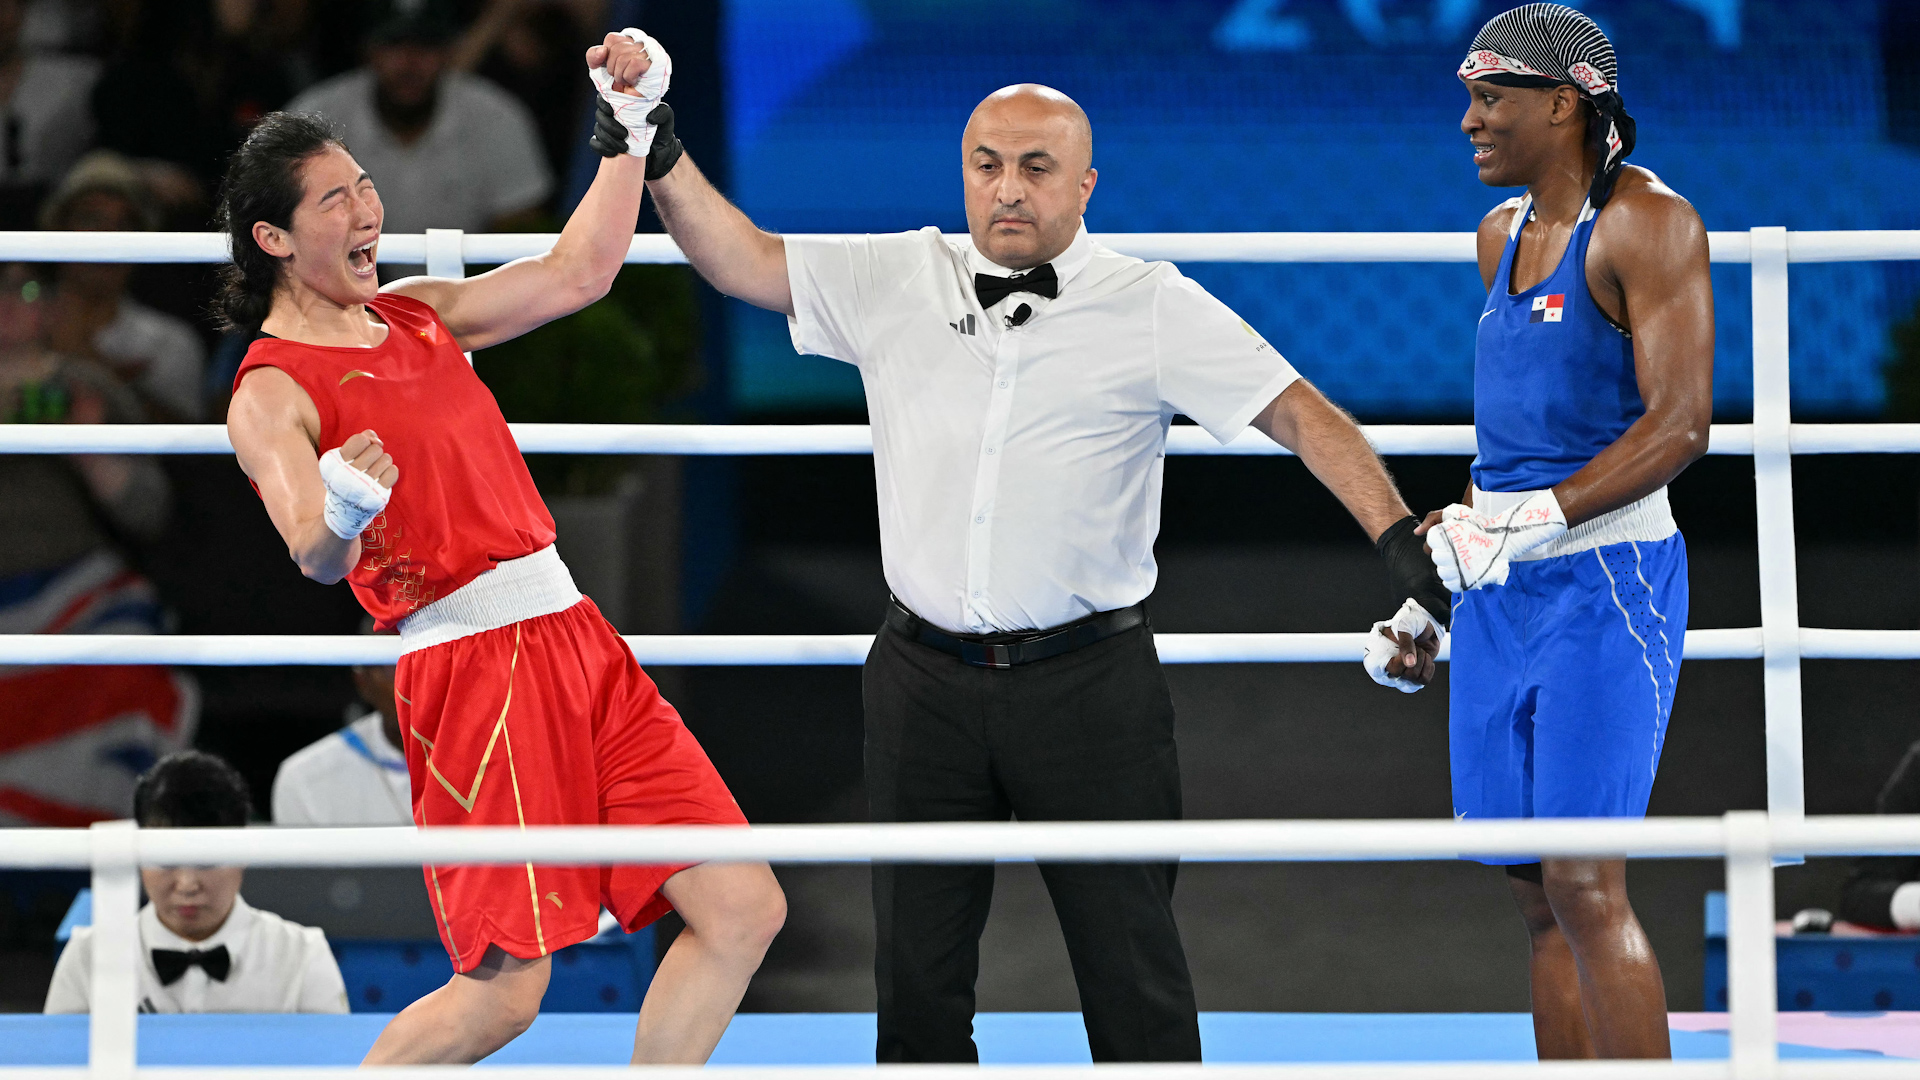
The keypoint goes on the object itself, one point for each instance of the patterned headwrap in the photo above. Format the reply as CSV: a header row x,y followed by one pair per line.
x,y
1548,45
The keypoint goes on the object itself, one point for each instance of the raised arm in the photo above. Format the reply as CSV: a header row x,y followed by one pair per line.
x,y
1650,252
735,256
275,431
506,302
513,299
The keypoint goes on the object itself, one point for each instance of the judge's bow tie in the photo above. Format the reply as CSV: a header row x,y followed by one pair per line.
x,y
170,964
1040,281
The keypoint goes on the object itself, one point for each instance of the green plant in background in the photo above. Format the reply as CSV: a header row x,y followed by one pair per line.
x,y
618,361
1903,373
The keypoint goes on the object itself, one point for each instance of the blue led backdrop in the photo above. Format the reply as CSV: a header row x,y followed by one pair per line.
x,y
1334,115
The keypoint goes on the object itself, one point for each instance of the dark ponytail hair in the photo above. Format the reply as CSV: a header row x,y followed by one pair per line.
x,y
263,184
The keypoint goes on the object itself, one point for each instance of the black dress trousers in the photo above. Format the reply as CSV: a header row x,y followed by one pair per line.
x,y
1080,737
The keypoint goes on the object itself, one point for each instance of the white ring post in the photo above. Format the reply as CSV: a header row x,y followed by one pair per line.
x,y
113,988
1751,992
444,258
1773,496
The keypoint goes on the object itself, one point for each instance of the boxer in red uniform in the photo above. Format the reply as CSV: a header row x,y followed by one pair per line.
x,y
382,459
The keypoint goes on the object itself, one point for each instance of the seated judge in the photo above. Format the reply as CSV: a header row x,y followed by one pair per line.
x,y
203,949
1883,891
355,776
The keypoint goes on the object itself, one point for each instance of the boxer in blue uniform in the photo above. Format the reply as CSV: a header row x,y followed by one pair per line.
x,y
1593,387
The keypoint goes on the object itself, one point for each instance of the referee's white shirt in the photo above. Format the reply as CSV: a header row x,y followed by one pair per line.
x,y
277,966
1019,468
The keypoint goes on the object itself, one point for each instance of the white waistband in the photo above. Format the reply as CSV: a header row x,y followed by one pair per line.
x,y
514,591
1644,521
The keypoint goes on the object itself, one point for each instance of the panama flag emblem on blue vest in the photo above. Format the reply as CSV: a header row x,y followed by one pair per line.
x,y
1548,308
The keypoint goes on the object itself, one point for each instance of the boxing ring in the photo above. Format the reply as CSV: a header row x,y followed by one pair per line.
x,y
1750,842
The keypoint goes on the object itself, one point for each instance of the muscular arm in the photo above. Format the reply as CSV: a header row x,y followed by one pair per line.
x,y
509,301
1649,256
275,431
732,253
1329,442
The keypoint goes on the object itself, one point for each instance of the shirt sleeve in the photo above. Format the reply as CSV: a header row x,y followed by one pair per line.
x,y
841,283
68,991
1213,366
322,990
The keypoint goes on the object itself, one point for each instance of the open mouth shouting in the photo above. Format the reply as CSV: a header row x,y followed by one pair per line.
x,y
360,259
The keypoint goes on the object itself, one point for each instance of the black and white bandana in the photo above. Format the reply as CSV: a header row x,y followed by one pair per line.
x,y
1547,45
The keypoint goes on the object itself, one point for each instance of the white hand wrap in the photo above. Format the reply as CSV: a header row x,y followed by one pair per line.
x,y
1411,619
1906,906
354,499
632,109
1472,551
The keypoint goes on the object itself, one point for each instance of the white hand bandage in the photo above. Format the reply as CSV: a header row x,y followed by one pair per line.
x,y
1411,619
1472,550
354,499
632,109
1906,906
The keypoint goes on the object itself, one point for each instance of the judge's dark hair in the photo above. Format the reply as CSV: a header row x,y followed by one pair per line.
x,y
191,790
263,184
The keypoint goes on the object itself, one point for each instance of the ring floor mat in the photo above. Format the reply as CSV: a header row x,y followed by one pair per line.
x,y
1004,1038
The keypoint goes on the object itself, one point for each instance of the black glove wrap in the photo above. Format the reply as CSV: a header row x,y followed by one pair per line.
x,y
609,138
1411,571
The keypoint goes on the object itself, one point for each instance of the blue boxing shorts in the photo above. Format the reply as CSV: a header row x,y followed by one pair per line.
x,y
1562,681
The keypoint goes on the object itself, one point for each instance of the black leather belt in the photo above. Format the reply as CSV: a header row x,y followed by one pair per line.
x,y
1013,650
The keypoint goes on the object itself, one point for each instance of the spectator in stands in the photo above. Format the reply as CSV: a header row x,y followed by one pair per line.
x,y
45,123
186,79
75,738
1883,891
158,356
530,48
203,948
355,776
449,150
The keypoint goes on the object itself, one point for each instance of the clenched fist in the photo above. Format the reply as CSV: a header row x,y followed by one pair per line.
x,y
364,451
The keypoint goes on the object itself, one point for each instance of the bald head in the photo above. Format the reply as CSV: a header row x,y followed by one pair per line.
x,y
1027,111
1027,156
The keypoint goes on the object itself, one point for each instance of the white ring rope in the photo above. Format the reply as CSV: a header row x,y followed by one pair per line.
x,y
1866,245
780,650
950,842
769,439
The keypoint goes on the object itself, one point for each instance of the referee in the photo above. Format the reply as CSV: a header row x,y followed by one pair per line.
x,y
1020,387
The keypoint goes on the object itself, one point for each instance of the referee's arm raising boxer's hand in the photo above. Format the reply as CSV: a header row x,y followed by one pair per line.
x,y
736,256
275,431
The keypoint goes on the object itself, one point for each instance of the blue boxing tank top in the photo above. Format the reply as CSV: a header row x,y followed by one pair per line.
x,y
1553,378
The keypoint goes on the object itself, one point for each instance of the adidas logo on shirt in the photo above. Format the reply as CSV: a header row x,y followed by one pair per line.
x,y
966,325
1548,308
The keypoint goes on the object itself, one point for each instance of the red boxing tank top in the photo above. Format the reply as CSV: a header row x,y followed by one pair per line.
x,y
464,501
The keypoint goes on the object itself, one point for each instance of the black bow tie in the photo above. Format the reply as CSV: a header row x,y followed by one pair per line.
x,y
170,964
1040,281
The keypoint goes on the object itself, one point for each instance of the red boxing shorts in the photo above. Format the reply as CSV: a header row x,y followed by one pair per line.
x,y
547,721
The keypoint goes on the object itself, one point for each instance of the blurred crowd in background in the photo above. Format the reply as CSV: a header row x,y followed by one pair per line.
x,y
119,115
